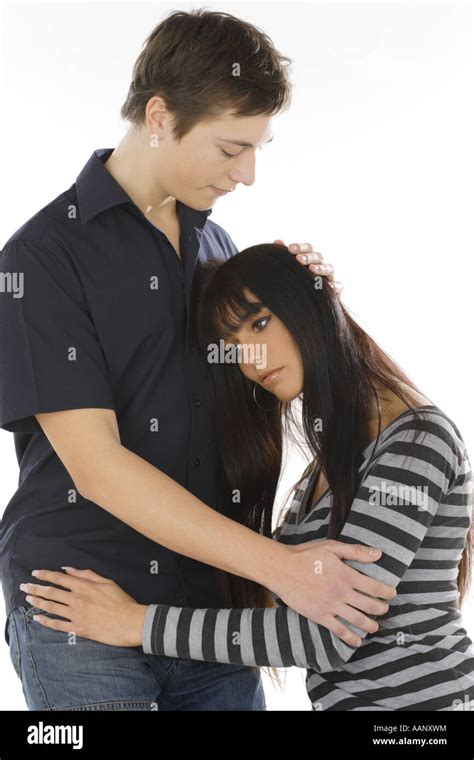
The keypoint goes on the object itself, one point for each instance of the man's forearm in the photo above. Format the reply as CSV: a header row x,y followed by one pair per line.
x,y
152,503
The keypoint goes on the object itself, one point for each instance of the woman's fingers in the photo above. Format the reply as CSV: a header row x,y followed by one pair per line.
x,y
60,579
71,580
57,625
47,606
46,592
88,575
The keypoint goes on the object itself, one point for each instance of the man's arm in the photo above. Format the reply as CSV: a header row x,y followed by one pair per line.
x,y
278,636
88,443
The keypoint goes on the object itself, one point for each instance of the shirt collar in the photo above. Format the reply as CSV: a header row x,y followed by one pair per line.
x,y
98,191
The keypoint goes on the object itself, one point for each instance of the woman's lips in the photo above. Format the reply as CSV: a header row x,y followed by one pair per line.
x,y
268,379
218,191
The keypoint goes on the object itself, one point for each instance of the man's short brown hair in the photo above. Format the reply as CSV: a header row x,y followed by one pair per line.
x,y
203,63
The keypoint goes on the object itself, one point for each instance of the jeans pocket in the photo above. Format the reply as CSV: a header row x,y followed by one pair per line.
x,y
28,613
14,644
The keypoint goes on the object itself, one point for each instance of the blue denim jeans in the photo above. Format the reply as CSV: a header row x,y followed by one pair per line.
x,y
58,673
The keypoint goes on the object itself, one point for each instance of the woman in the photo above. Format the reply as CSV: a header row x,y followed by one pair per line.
x,y
389,469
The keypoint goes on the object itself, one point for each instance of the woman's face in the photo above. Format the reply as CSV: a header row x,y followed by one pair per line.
x,y
265,344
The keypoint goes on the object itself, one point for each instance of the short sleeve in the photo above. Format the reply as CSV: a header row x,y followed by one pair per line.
x,y
50,355
233,247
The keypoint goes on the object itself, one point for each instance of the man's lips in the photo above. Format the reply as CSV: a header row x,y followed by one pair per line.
x,y
268,377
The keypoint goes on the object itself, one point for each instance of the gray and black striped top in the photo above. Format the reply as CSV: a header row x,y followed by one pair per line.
x,y
414,503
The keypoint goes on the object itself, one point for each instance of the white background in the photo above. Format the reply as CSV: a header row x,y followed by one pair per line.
x,y
373,164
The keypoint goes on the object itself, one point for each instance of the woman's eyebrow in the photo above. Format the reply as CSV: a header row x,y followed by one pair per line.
x,y
244,144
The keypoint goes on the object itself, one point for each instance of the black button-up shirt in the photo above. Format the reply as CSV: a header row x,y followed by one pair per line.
x,y
97,310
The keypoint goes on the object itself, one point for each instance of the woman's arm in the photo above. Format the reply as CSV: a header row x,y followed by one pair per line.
x,y
88,443
281,637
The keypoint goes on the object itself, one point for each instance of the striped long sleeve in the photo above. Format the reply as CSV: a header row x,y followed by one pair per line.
x,y
393,509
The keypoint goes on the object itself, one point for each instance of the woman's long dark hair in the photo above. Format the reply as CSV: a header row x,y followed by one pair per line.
x,y
342,365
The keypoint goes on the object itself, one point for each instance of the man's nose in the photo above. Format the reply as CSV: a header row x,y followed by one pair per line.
x,y
244,172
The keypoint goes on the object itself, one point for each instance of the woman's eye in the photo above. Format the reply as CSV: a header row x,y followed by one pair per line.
x,y
259,322
229,155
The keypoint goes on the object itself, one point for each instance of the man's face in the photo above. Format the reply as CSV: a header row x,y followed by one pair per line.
x,y
209,159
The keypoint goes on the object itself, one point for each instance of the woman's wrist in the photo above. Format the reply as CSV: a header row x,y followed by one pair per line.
x,y
137,621
147,628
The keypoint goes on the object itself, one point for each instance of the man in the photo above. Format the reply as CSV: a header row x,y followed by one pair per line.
x,y
110,398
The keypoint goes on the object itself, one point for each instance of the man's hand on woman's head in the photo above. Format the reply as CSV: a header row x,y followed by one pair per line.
x,y
314,261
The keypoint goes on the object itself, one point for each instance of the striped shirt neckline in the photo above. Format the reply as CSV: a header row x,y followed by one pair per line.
x,y
311,478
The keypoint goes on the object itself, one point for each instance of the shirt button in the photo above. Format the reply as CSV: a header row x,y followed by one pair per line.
x,y
197,462
197,402
192,347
